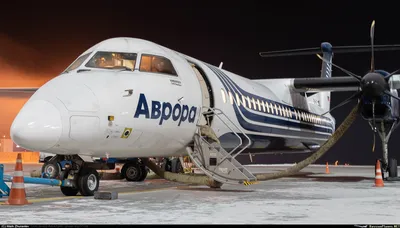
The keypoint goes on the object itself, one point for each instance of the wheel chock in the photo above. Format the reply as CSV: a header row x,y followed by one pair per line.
x,y
106,195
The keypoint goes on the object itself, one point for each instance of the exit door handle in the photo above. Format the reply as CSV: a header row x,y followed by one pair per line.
x,y
130,92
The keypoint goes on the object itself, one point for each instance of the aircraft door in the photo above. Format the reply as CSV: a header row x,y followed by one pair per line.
x,y
204,91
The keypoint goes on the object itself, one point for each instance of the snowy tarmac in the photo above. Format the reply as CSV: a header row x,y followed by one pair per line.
x,y
345,196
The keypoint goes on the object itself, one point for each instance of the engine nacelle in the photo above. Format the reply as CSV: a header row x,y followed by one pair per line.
x,y
386,108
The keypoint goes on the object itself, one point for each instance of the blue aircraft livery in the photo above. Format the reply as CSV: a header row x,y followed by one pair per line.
x,y
164,111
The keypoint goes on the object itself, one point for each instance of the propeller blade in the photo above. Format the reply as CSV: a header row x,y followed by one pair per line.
x,y
335,49
391,74
372,32
374,123
388,93
352,97
373,145
344,70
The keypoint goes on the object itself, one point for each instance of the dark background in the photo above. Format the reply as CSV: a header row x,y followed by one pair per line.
x,y
53,34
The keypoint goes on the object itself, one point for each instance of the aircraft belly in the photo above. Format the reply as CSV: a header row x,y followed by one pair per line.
x,y
262,143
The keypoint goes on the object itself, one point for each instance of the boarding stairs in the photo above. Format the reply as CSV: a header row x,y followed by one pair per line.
x,y
209,156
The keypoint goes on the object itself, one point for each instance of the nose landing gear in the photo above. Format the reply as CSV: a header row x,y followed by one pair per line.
x,y
84,175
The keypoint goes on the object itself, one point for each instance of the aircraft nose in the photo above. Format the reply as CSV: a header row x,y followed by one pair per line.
x,y
37,126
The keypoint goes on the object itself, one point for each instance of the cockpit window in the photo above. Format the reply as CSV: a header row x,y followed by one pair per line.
x,y
77,62
156,64
113,60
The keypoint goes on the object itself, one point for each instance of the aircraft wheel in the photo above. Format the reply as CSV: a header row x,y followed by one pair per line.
x,y
132,171
144,172
88,182
51,170
68,191
392,167
166,165
176,166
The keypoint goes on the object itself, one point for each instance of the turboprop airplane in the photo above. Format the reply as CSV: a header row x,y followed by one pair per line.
x,y
128,98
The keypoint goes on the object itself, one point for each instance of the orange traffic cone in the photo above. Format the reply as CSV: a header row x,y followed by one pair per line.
x,y
378,175
17,192
327,168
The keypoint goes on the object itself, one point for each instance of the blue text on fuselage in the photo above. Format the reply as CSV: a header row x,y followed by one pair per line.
x,y
164,111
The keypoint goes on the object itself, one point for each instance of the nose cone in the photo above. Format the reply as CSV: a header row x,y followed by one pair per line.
x,y
37,126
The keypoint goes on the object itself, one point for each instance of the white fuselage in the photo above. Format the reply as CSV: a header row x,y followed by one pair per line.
x,y
156,114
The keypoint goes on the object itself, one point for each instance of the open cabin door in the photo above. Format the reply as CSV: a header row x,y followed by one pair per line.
x,y
205,93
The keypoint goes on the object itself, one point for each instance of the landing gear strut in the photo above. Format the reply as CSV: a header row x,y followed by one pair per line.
x,y
387,165
84,175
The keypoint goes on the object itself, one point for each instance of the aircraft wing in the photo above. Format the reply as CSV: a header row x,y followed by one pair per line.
x,y
18,89
333,84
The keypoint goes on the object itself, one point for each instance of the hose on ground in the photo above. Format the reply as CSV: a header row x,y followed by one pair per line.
x,y
315,156
205,180
182,178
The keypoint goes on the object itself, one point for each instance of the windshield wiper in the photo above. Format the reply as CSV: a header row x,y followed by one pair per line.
x,y
122,68
80,70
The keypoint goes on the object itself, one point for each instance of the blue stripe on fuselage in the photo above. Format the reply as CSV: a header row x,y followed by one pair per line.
x,y
230,87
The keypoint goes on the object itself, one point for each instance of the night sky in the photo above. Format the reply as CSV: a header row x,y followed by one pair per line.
x,y
39,40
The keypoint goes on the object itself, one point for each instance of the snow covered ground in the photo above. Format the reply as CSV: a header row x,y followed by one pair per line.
x,y
320,198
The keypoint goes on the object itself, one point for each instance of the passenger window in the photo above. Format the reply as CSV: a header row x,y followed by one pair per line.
x,y
237,99
230,97
223,95
254,103
244,101
113,60
248,102
156,64
263,105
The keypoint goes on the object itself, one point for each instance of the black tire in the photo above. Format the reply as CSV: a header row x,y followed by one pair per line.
x,y
131,171
392,167
51,170
88,182
176,166
166,165
68,191
144,173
